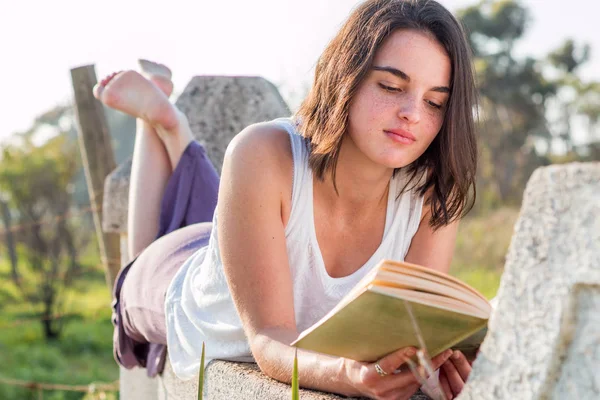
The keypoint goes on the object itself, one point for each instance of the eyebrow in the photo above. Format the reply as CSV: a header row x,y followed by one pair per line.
x,y
396,72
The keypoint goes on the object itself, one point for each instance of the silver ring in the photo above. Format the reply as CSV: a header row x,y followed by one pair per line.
x,y
380,370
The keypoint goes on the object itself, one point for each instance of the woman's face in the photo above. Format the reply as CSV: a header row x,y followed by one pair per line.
x,y
400,105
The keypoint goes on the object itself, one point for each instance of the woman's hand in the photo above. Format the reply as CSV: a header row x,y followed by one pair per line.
x,y
388,383
454,374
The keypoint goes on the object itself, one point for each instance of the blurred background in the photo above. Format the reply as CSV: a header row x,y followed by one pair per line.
x,y
538,71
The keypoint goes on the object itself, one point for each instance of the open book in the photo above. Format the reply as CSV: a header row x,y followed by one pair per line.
x,y
394,304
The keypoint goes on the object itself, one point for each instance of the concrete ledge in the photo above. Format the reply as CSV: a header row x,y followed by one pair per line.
x,y
231,381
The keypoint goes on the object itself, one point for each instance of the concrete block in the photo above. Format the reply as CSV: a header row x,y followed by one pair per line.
x,y
544,336
217,108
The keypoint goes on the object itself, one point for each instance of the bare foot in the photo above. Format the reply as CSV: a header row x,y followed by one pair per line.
x,y
131,93
159,74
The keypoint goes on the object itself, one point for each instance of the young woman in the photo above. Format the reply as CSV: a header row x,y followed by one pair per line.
x,y
379,162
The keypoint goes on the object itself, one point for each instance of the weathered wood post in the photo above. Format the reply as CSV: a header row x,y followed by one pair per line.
x,y
98,160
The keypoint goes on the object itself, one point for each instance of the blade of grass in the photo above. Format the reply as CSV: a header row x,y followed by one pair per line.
x,y
295,385
201,375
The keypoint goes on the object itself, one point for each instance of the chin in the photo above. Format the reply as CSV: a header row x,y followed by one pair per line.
x,y
393,164
395,161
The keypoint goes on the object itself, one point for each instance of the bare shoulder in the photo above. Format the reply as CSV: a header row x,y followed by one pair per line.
x,y
261,152
265,139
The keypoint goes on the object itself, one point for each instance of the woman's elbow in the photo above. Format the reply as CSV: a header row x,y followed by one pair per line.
x,y
271,357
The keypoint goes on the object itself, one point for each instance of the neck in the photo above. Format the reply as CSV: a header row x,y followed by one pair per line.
x,y
360,182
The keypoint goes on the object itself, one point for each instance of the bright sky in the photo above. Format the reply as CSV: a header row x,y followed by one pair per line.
x,y
278,39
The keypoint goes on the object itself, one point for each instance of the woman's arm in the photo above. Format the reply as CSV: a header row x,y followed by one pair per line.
x,y
432,248
257,174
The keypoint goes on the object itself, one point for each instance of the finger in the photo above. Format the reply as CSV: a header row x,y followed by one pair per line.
x,y
393,383
388,380
445,385
440,359
392,361
462,364
454,379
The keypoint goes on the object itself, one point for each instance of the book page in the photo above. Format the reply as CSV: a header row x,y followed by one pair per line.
x,y
427,273
388,278
430,299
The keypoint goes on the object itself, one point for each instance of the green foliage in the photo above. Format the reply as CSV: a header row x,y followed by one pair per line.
x,y
526,104
481,247
35,181
27,172
60,121
504,20
569,56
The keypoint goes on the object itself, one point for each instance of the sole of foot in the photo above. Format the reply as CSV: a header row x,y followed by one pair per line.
x,y
133,94
157,73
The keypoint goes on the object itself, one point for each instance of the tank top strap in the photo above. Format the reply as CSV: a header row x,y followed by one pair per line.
x,y
302,173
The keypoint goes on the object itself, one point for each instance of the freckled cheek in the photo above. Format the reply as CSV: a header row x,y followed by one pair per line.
x,y
379,107
432,126
368,110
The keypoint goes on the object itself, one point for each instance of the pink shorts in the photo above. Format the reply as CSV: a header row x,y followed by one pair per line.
x,y
187,208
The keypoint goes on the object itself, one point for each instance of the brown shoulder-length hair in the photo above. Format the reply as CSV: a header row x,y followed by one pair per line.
x,y
450,162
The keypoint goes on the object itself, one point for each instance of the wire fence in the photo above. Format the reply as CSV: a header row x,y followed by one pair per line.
x,y
40,387
47,221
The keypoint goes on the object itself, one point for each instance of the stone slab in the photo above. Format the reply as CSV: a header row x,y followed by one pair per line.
x,y
544,336
217,108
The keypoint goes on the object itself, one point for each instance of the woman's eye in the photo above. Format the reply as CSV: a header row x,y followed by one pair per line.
x,y
435,105
389,88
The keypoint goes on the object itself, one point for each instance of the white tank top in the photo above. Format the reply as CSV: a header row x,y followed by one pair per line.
x,y
199,307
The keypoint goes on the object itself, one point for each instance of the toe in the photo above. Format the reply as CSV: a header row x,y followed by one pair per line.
x,y
98,88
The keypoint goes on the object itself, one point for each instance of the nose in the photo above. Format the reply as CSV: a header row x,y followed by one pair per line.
x,y
409,110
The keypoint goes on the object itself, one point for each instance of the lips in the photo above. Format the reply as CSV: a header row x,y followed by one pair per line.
x,y
400,136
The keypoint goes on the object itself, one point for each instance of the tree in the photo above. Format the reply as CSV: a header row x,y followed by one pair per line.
x,y
36,180
517,98
42,179
577,99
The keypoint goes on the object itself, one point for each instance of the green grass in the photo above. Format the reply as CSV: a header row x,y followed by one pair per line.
x,y
485,281
83,353
481,248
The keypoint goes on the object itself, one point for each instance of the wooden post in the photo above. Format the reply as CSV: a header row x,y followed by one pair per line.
x,y
98,160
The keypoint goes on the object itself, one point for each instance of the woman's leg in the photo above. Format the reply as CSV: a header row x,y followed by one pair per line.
x,y
150,172
173,190
162,136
